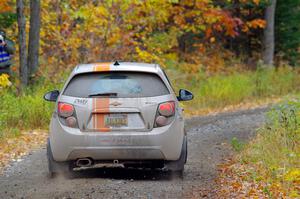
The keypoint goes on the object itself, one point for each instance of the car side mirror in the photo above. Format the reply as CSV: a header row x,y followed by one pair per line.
x,y
51,96
185,95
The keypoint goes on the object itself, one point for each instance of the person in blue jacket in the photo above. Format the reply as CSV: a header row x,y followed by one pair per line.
x,y
6,51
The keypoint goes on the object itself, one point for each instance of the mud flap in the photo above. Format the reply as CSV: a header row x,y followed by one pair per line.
x,y
178,165
54,166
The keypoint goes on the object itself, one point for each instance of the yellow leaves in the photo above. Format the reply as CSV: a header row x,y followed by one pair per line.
x,y
114,38
146,56
211,16
4,81
293,175
101,11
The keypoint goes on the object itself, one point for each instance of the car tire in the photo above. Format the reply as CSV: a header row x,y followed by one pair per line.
x,y
177,166
57,168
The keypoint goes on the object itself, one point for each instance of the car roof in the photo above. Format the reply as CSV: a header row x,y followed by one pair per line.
x,y
116,66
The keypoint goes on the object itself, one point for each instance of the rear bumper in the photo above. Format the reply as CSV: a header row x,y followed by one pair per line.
x,y
162,143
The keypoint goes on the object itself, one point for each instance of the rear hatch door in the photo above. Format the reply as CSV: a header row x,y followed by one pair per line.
x,y
117,101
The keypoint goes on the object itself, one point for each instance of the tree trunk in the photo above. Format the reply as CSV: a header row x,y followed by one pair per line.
x,y
22,43
34,37
269,34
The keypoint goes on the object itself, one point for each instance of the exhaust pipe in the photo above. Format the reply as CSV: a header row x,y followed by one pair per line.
x,y
116,161
84,162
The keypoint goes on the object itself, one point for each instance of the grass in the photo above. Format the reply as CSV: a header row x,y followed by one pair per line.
x,y
275,153
237,145
218,91
27,111
30,111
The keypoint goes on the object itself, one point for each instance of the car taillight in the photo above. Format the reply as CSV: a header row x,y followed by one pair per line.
x,y
165,114
167,109
65,110
67,114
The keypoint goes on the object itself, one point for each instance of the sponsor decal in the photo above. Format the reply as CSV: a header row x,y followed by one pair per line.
x,y
80,101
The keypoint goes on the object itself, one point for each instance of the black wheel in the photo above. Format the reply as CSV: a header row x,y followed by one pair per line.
x,y
57,168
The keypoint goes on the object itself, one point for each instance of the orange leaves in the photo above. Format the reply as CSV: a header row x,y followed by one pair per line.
x,y
180,20
208,32
197,16
256,2
256,23
254,180
235,182
222,21
231,25
5,6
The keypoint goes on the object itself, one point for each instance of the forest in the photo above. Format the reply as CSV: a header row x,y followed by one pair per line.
x,y
231,54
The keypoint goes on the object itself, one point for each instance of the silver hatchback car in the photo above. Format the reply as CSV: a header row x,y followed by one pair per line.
x,y
121,113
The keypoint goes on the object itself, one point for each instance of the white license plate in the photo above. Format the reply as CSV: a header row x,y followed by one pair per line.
x,y
116,120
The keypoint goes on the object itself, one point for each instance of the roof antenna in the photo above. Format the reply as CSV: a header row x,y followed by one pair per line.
x,y
116,63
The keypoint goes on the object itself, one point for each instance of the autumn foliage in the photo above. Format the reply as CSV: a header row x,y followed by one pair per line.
x,y
5,6
79,31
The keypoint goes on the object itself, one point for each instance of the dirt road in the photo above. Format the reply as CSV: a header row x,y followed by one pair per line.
x,y
209,144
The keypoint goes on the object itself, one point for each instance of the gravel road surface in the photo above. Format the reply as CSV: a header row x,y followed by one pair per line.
x,y
209,140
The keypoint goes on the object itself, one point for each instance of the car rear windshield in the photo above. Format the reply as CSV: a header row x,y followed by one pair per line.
x,y
116,84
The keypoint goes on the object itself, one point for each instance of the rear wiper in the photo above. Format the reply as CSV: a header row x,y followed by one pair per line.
x,y
103,94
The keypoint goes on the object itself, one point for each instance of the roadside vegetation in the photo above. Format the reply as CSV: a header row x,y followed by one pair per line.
x,y
222,90
268,166
24,112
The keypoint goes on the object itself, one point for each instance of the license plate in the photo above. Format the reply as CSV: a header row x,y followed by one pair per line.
x,y
116,120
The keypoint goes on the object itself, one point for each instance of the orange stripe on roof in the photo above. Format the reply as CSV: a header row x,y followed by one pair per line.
x,y
102,67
